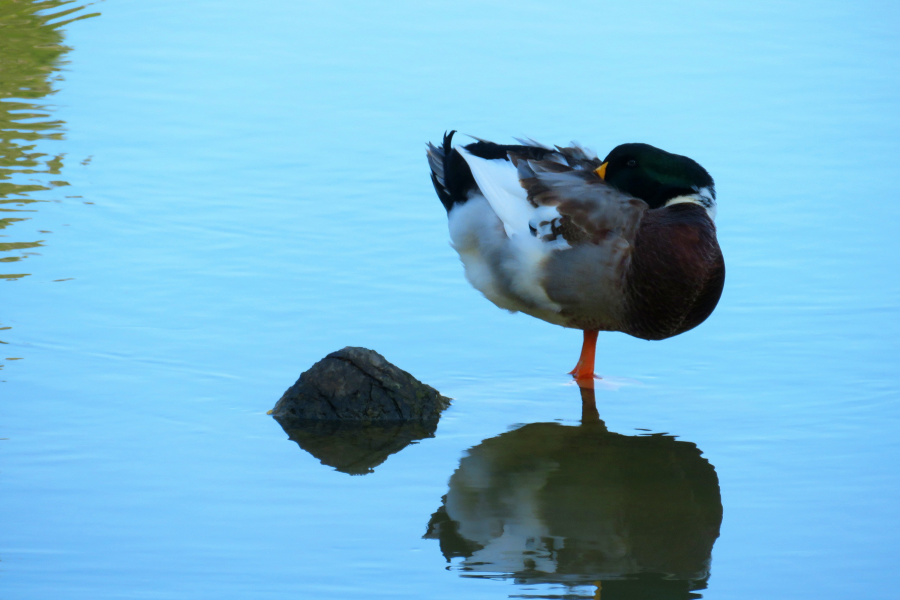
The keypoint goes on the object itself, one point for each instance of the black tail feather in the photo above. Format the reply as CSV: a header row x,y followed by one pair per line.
x,y
451,175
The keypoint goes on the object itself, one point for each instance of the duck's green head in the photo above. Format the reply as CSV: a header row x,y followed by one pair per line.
x,y
657,177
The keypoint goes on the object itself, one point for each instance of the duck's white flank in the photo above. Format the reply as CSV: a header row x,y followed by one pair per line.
x,y
502,258
475,233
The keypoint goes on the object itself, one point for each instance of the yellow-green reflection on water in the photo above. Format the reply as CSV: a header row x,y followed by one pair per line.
x,y
31,55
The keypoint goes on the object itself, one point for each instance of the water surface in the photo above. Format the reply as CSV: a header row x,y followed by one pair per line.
x,y
200,200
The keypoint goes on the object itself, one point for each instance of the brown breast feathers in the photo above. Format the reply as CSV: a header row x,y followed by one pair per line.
x,y
676,275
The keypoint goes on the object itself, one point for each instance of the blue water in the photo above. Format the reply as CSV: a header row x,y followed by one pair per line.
x,y
216,195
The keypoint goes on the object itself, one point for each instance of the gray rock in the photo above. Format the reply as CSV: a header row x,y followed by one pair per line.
x,y
353,409
358,384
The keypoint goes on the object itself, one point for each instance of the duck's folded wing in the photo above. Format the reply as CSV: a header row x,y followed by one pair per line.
x,y
576,205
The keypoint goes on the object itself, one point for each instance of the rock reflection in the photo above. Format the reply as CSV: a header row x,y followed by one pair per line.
x,y
356,448
635,516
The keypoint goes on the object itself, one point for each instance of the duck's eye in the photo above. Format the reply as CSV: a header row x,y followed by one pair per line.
x,y
631,163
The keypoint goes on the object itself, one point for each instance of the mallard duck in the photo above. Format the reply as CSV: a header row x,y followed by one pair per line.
x,y
627,243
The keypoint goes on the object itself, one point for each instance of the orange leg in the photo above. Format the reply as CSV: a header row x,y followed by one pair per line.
x,y
584,370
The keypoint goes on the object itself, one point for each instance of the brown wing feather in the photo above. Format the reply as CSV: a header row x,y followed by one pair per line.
x,y
591,211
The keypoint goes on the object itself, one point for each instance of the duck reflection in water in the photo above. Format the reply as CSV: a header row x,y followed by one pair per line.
x,y
635,516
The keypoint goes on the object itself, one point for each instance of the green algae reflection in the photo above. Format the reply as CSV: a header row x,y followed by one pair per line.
x,y
31,55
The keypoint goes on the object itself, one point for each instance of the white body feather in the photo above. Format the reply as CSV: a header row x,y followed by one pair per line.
x,y
492,234
702,197
498,180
